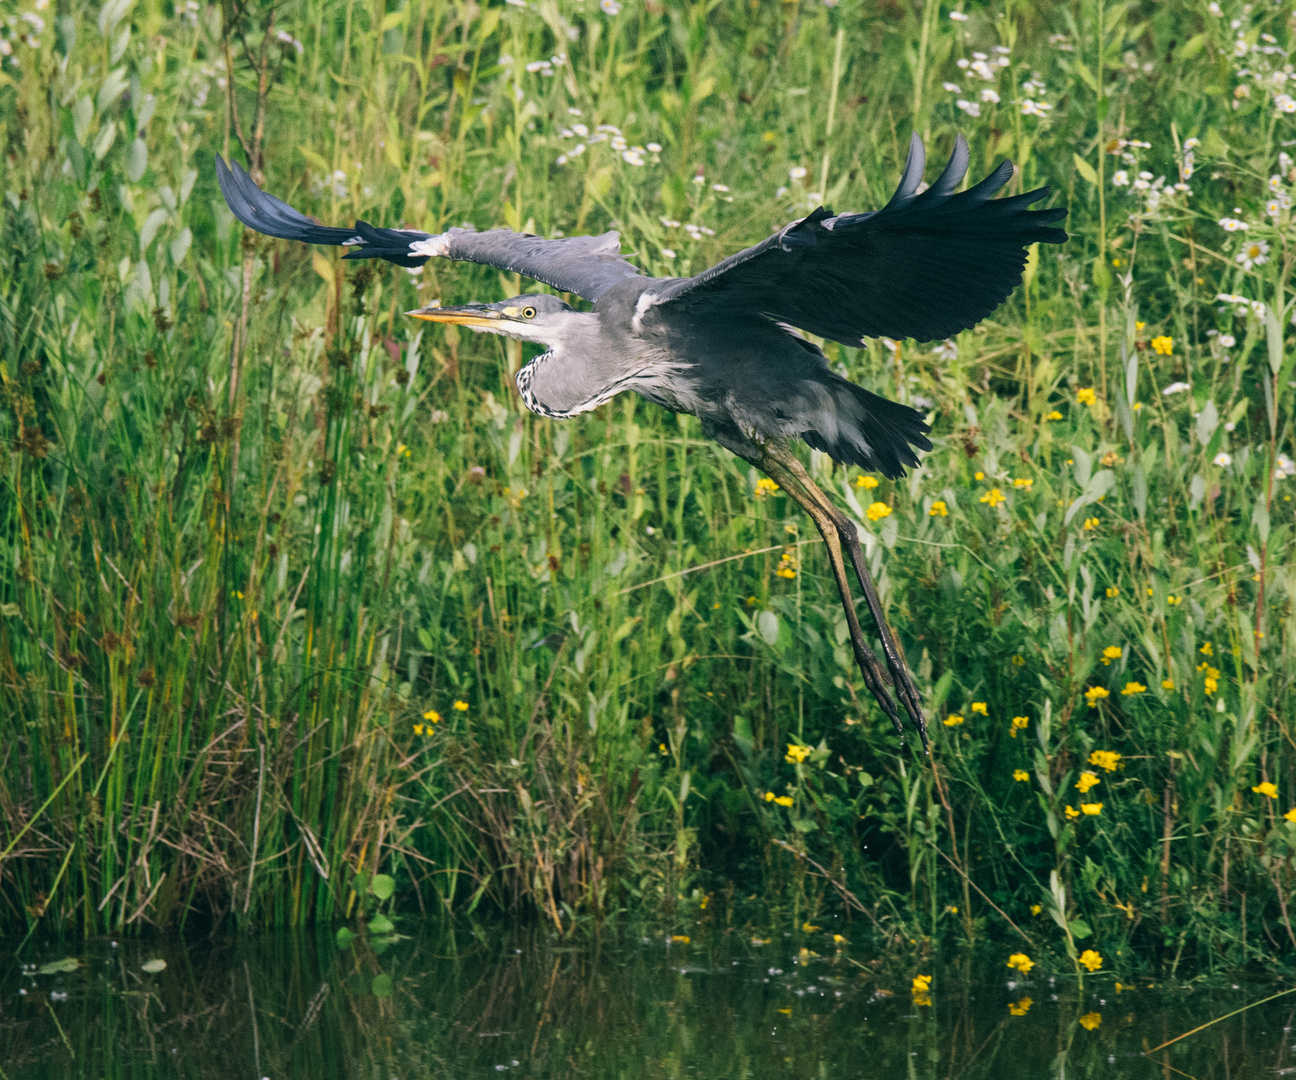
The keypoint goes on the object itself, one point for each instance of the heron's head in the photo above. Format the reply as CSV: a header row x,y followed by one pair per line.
x,y
536,317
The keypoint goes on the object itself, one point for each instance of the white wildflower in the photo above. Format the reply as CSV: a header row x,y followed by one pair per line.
x,y
962,63
1176,388
1284,467
1284,103
1253,253
952,88
1229,224
1120,178
580,130
958,16
797,172
1034,108
969,107
1227,341
654,148
1223,459
990,97
609,7
719,187
667,253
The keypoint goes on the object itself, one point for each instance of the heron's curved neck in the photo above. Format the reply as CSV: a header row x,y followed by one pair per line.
x,y
580,370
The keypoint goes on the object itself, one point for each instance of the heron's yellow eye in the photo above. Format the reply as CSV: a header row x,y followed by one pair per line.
x,y
528,313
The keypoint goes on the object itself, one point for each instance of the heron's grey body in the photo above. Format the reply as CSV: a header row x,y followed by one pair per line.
x,y
724,345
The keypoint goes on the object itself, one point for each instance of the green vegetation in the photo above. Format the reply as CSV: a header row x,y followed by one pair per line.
x,y
294,593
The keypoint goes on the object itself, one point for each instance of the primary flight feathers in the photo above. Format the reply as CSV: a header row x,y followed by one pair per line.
x,y
925,266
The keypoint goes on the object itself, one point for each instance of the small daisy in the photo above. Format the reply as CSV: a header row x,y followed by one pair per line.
x,y
1254,253
1120,178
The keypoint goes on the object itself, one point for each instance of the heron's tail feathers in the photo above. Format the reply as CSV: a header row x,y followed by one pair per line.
x,y
855,427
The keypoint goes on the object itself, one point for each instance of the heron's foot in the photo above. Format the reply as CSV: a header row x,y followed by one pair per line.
x,y
876,679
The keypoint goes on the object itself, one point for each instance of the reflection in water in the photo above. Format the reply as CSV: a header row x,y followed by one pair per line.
x,y
458,1005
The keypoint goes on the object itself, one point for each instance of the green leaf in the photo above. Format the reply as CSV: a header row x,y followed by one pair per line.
x,y
1085,169
382,985
344,937
382,886
153,966
1080,929
58,967
380,924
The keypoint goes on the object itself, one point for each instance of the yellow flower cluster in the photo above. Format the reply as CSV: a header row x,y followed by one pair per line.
x,y
1092,960
1020,775
1163,345
953,720
1020,1008
1019,723
1023,482
938,509
1212,677
1112,652
432,715
1086,396
1087,780
1112,592
796,753
1093,809
1207,650
1291,814
1091,523
1173,600
867,482
1054,415
1268,789
921,984
1090,1020
993,498
460,706
1095,694
778,800
765,486
1167,684
787,567
877,511
980,707
1133,687
1019,961
1105,759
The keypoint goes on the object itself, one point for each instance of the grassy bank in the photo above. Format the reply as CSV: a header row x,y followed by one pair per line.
x,y
292,591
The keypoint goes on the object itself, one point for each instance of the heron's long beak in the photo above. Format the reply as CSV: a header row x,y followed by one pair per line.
x,y
467,315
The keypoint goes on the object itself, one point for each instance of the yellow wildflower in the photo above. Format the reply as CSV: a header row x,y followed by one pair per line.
x,y
877,511
921,984
783,800
1111,458
432,715
1268,789
765,486
680,939
1054,415
1112,652
1018,660
418,729
1291,814
1072,813
1019,723
839,940
1105,759
1086,396
980,707
1093,809
938,509
1163,345
1087,780
953,720
787,567
978,475
1167,684
1172,600
868,482
1022,482
1133,688
1091,523
1207,650
770,796
993,497
796,753
1019,961
1112,592
1094,695
922,1000
1090,1020
1092,960
1139,325
1036,909
461,706
1020,775
1020,1008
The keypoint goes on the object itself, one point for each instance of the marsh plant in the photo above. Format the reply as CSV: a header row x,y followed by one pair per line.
x,y
293,591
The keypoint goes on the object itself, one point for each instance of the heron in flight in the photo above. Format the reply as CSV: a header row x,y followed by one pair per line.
x,y
724,345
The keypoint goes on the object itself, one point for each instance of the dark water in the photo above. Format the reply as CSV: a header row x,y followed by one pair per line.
x,y
456,1005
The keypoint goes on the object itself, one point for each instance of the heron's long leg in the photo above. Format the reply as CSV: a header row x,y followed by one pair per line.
x,y
905,689
874,677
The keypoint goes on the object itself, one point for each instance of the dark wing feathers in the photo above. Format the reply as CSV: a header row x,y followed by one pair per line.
x,y
585,265
925,266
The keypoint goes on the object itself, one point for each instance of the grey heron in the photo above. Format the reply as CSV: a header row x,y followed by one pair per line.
x,y
724,345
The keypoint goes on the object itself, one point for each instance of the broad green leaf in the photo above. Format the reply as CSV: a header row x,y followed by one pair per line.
x,y
1085,169
382,985
58,967
768,625
380,924
344,937
382,886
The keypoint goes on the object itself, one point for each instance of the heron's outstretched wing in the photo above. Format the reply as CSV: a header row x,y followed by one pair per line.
x,y
585,265
925,266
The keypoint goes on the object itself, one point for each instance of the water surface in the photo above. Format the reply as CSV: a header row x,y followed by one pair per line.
x,y
459,1004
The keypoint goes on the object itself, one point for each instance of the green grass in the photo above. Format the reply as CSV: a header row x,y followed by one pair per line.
x,y
257,524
